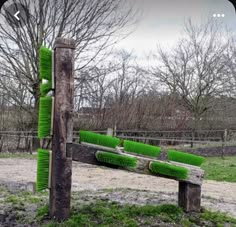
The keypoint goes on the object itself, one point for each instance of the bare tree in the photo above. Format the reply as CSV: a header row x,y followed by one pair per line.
x,y
195,68
112,92
93,24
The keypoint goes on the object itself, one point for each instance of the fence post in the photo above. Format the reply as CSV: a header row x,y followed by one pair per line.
x,y
110,132
224,139
60,191
192,137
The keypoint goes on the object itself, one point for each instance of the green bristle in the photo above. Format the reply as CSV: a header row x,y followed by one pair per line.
x,y
116,159
99,139
45,63
190,159
44,118
45,88
168,170
141,148
43,157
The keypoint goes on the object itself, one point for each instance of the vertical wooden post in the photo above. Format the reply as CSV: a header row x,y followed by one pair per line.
x,y
110,132
189,197
224,140
192,137
60,191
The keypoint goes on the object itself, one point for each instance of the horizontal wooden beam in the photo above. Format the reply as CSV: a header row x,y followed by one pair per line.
x,y
86,154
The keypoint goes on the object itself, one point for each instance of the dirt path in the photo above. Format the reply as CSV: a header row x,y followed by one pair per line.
x,y
215,195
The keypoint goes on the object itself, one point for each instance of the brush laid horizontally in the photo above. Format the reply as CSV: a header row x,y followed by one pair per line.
x,y
168,170
116,159
98,139
141,148
183,157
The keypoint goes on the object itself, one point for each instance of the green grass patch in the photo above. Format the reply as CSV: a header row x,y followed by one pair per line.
x,y
116,159
12,199
217,218
42,212
98,139
104,213
183,157
22,197
168,170
111,214
141,148
220,169
44,117
18,155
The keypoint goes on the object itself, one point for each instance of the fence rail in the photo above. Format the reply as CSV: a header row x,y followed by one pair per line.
x,y
28,141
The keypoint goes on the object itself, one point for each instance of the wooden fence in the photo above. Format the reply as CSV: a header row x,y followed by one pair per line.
x,y
12,141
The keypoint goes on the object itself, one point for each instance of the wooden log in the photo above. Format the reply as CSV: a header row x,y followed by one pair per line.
x,y
189,197
99,147
60,191
82,153
85,153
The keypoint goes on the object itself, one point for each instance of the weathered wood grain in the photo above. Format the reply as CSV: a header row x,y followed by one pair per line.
x,y
86,153
189,195
60,191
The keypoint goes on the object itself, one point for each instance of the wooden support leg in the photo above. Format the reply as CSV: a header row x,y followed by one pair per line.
x,y
189,197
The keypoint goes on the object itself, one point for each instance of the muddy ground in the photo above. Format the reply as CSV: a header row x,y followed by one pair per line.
x,y
144,189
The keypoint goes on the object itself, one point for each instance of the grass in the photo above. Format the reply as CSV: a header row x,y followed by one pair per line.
x,y
141,148
168,170
112,214
18,155
98,139
183,157
220,169
116,159
108,214
23,197
32,210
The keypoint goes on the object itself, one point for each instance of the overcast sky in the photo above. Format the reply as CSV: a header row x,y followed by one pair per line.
x,y
162,21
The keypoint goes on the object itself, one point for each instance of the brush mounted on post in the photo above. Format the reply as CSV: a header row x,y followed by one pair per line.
x,y
45,117
56,119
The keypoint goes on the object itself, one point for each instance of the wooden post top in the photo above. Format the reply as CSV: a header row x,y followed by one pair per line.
x,y
64,43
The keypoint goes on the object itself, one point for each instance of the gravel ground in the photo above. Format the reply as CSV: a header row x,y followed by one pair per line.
x,y
145,189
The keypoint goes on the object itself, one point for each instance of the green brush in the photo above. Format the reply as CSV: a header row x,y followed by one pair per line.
x,y
168,170
46,105
116,159
99,139
190,159
141,148
43,169
44,118
45,88
45,63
